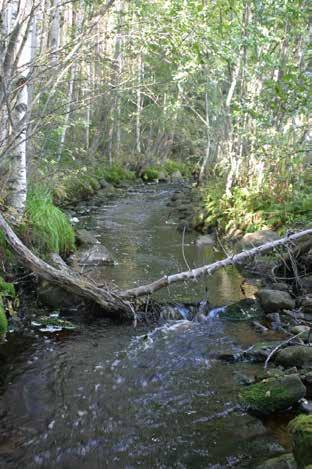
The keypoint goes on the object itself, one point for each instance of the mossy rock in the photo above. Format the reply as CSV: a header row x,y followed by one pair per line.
x,y
273,394
285,461
300,430
243,310
52,324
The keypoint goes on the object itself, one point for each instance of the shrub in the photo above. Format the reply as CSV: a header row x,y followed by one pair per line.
x,y
150,174
50,229
171,166
250,210
114,174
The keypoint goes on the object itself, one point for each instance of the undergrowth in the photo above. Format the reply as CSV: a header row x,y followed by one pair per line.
x,y
46,225
7,292
114,174
249,210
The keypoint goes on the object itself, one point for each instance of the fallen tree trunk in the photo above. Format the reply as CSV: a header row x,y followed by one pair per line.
x,y
119,301
65,278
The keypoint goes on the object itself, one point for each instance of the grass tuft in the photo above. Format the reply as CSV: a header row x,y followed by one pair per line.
x,y
50,229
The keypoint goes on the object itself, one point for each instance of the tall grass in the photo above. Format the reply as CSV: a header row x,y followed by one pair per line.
x,y
50,229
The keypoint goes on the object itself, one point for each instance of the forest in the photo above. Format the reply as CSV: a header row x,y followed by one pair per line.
x,y
155,233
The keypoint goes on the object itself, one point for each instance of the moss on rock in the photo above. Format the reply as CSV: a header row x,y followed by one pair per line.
x,y
300,430
273,394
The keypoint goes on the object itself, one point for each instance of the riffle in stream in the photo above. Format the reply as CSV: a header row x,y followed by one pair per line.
x,y
111,395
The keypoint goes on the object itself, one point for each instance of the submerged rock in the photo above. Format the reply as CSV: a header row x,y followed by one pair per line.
x,y
85,238
300,430
205,240
273,394
275,300
52,324
297,355
260,351
243,310
97,255
285,461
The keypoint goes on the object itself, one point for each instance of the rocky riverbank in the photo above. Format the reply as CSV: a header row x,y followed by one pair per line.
x,y
283,299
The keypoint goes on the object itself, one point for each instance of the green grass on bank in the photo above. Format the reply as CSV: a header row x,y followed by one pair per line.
x,y
249,210
46,227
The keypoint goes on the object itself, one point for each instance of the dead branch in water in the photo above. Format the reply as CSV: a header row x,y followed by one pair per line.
x,y
119,301
194,274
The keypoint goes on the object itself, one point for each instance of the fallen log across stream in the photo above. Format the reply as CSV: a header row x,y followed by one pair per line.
x,y
120,301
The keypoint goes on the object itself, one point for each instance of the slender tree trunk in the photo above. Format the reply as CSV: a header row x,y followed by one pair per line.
x,y
206,158
70,96
20,117
140,72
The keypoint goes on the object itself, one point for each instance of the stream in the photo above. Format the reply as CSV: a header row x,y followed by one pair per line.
x,y
111,395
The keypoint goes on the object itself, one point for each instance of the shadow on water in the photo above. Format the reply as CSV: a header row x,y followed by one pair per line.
x,y
110,395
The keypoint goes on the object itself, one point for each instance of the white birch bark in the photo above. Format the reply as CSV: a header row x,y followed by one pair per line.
x,y
21,11
54,41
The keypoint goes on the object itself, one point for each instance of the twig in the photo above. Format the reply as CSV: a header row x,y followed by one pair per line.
x,y
183,252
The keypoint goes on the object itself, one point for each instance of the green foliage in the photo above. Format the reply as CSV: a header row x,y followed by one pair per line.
x,y
46,225
150,174
3,321
7,289
114,174
171,166
250,210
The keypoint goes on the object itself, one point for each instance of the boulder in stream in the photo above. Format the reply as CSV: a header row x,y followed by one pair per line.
x,y
273,394
275,300
300,430
297,355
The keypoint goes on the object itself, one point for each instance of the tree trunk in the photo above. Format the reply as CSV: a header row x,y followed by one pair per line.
x,y
20,116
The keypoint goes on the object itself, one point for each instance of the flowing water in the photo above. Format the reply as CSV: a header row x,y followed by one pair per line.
x,y
110,395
